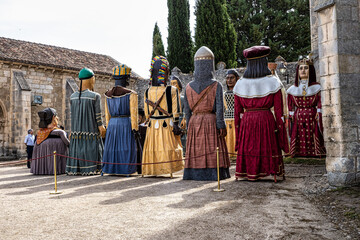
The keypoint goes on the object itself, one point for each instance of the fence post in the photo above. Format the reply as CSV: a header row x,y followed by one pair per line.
x,y
218,171
55,192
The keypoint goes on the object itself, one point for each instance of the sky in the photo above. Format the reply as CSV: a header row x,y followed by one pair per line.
x,y
121,29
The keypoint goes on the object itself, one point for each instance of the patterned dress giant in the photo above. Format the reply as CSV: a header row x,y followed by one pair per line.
x,y
203,138
307,131
85,140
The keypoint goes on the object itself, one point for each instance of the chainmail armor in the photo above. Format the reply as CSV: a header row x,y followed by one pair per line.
x,y
230,100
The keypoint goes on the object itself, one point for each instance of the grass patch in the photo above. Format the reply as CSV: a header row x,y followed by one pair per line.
x,y
352,214
306,161
354,191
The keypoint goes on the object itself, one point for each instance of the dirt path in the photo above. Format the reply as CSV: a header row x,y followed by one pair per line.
x,y
112,207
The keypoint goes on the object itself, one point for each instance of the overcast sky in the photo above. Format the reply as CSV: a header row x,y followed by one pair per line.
x,y
120,29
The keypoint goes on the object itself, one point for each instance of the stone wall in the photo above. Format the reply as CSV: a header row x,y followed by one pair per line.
x,y
18,86
336,40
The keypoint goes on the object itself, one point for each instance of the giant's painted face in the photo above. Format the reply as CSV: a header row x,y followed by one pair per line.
x,y
304,71
231,80
175,84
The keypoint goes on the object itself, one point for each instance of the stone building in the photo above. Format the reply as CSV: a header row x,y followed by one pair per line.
x,y
35,76
335,42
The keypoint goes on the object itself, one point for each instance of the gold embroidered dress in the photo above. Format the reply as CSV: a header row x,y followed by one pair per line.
x,y
160,143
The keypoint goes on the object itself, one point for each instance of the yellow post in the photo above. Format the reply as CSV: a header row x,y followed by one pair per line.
x,y
218,171
56,192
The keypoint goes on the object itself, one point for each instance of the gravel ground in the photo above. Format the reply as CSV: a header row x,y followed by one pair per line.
x,y
115,207
340,205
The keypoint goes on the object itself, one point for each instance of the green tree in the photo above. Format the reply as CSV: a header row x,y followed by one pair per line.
x,y
283,25
215,30
158,46
180,45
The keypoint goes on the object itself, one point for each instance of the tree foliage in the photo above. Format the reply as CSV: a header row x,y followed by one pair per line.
x,y
180,45
158,46
215,30
283,25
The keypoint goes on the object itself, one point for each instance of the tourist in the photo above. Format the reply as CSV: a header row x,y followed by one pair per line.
x,y
204,112
87,128
259,136
121,112
304,102
232,76
49,139
162,108
29,143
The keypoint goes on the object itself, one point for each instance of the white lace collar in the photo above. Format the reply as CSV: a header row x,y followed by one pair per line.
x,y
304,89
257,87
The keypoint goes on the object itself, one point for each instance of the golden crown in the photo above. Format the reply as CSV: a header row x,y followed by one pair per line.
x,y
306,60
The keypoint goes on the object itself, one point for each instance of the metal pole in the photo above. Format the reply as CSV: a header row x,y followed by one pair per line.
x,y
218,171
56,192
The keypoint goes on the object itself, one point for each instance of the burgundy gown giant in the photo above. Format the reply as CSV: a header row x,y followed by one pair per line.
x,y
307,131
259,136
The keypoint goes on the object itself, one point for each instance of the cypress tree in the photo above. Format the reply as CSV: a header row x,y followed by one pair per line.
x,y
283,25
215,30
158,46
180,46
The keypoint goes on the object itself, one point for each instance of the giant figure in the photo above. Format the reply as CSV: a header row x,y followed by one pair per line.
x,y
304,102
87,128
175,81
162,108
49,138
232,76
204,112
259,136
121,113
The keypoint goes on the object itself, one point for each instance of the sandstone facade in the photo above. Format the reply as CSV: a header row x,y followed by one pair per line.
x,y
24,77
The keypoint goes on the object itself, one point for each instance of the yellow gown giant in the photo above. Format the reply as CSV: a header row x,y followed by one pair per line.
x,y
160,143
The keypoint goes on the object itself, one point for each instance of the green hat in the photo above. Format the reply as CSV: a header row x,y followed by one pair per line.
x,y
85,73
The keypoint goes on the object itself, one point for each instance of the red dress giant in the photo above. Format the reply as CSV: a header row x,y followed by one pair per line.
x,y
304,102
259,136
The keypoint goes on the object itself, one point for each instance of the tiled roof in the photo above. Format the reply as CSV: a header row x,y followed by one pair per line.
x,y
52,56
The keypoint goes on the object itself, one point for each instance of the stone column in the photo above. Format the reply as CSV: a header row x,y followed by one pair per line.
x,y
338,44
20,117
70,88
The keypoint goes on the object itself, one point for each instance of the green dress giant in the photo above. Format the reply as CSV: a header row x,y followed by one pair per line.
x,y
85,139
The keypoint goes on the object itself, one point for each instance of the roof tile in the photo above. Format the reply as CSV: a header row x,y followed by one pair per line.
x,y
52,56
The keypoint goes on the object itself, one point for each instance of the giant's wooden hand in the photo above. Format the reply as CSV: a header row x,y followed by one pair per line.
x,y
102,131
